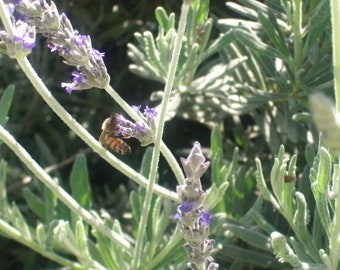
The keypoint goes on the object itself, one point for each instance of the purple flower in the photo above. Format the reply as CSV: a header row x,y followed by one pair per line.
x,y
19,45
97,54
78,77
192,218
205,218
10,8
142,131
80,40
54,47
25,35
150,112
136,108
185,207
139,127
78,80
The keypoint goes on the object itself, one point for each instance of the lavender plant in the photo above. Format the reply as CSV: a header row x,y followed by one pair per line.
x,y
251,80
69,231
271,60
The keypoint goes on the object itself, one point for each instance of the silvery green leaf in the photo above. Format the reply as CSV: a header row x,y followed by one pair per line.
x,y
242,10
165,21
318,22
271,27
3,193
301,220
40,233
35,203
262,186
5,103
318,176
284,252
82,242
248,235
257,45
215,195
218,44
19,222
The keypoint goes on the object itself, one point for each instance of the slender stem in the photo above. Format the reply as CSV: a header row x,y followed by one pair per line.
x,y
335,11
164,149
159,134
172,163
72,204
297,29
122,103
13,233
4,14
334,245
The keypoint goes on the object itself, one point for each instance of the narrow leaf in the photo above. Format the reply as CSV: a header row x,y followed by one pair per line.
x,y
5,103
79,181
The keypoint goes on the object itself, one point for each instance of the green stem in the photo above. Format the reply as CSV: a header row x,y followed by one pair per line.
x,y
334,242
334,256
297,29
335,11
159,134
14,234
72,204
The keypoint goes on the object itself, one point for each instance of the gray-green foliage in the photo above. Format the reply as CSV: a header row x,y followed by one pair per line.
x,y
263,65
313,243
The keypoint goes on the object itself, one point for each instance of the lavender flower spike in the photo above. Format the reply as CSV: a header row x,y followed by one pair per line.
x,y
76,49
140,131
195,165
21,44
193,220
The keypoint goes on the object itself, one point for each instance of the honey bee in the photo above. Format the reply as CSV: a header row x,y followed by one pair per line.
x,y
110,137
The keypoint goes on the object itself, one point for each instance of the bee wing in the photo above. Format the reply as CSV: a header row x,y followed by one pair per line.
x,y
118,145
106,123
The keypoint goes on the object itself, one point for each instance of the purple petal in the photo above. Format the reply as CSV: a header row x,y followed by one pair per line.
x,y
205,217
